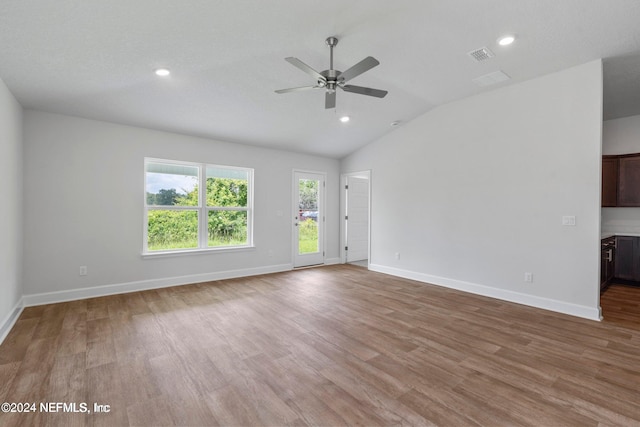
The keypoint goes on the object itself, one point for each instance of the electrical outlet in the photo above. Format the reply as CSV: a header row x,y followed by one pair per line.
x,y
528,277
270,252
397,255
83,270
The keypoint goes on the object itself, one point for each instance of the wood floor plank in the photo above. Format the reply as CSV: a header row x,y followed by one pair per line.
x,y
97,308
68,379
519,405
17,341
32,380
348,344
137,379
8,372
73,334
50,323
191,412
269,407
389,409
474,409
68,385
288,384
105,386
231,409
606,411
336,345
621,306
100,353
152,412
99,329
627,379
434,412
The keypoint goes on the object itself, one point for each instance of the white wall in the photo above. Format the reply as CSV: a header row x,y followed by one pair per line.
x,y
472,194
621,136
84,205
11,211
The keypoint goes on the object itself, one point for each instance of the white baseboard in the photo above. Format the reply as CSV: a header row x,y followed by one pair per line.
x,y
10,320
331,261
502,294
143,285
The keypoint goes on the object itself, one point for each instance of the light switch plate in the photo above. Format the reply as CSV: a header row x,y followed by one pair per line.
x,y
569,220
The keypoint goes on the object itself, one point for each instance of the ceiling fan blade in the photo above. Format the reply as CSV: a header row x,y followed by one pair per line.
x,y
330,100
365,65
365,91
296,89
304,67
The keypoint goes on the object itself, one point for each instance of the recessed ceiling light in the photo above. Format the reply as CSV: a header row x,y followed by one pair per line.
x,y
345,119
506,40
396,123
162,72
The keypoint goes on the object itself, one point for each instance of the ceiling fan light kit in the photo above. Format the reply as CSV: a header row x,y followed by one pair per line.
x,y
332,79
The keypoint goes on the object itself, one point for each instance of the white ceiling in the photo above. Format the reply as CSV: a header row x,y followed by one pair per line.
x,y
95,59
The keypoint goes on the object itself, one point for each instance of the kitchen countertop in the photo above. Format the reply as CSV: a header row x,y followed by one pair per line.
x,y
606,234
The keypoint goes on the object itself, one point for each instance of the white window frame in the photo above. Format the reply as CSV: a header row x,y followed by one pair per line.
x,y
202,209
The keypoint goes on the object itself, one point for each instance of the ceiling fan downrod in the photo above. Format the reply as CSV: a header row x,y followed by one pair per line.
x,y
331,42
330,74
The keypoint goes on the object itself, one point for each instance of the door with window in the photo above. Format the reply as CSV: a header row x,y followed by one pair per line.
x,y
308,228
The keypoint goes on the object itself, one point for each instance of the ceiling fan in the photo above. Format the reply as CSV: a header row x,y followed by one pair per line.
x,y
332,79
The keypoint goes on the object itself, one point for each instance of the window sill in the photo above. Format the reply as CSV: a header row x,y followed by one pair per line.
x,y
187,252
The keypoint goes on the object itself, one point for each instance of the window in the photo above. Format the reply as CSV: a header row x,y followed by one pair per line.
x,y
191,206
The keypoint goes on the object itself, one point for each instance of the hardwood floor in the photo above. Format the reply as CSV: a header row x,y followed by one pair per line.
x,y
621,305
335,345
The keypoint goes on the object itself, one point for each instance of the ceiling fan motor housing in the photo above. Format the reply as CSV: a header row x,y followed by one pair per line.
x,y
331,79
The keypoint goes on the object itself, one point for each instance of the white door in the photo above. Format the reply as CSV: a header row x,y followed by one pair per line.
x,y
357,218
308,229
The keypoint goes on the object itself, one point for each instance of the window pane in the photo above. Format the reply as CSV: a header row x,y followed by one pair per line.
x,y
172,229
308,216
227,228
227,187
307,236
171,185
308,194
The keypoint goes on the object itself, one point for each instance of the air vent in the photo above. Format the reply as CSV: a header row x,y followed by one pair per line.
x,y
481,54
491,78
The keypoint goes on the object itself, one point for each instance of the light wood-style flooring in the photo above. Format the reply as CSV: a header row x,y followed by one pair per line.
x,y
330,346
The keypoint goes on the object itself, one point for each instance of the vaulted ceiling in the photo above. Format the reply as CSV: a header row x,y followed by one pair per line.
x,y
95,59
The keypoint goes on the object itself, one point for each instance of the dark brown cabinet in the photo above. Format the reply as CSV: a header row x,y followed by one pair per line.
x,y
609,181
607,261
629,180
627,258
621,180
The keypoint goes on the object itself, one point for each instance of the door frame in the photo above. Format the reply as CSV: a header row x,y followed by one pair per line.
x,y
295,210
343,213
